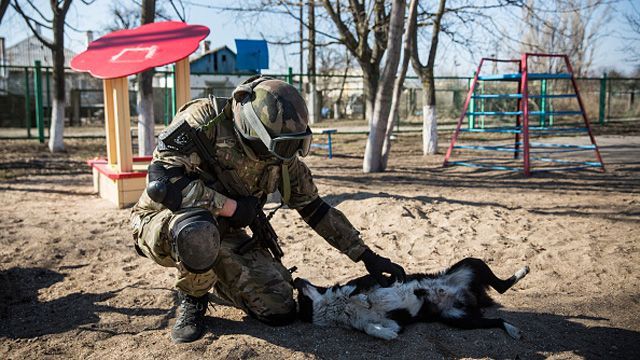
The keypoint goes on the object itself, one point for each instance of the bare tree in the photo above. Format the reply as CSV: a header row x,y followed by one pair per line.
x,y
425,72
56,23
122,17
632,19
373,161
399,82
331,61
144,103
314,110
4,4
355,25
571,27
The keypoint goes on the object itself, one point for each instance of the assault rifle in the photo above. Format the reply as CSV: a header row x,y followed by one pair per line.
x,y
264,234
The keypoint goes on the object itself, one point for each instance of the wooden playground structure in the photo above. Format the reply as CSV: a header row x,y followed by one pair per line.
x,y
522,146
121,177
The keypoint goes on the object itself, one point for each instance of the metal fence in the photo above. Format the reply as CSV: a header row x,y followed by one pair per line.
x,y
341,97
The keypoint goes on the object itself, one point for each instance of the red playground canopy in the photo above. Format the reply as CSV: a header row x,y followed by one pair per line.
x,y
127,52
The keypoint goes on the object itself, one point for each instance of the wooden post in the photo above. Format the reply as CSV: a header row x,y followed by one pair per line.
x,y
109,121
124,152
182,83
117,124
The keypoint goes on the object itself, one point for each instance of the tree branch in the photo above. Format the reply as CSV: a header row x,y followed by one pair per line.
x,y
345,35
28,20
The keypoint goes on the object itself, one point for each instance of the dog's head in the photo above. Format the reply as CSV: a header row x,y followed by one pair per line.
x,y
308,295
321,305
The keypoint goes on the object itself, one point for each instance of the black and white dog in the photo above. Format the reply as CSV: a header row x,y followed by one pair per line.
x,y
454,296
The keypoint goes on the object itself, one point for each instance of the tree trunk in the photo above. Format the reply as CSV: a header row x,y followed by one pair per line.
x,y
398,84
56,131
373,151
144,99
314,108
425,72
429,123
370,82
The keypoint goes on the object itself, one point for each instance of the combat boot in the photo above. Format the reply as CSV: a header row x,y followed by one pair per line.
x,y
189,325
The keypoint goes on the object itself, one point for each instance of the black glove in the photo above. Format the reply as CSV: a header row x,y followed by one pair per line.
x,y
376,265
246,211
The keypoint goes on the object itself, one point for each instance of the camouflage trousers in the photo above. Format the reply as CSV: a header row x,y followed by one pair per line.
x,y
254,281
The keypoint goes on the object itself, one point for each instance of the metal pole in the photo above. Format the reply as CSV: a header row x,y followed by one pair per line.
x,y
550,107
543,101
603,98
37,88
608,86
166,98
27,103
472,106
482,106
524,90
290,76
467,101
173,92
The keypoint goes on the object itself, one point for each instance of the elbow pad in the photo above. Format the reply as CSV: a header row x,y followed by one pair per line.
x,y
162,190
313,212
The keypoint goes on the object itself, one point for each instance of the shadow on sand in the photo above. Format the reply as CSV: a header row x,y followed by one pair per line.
x,y
23,315
544,334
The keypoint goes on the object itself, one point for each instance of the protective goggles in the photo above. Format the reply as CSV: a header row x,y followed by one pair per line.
x,y
284,147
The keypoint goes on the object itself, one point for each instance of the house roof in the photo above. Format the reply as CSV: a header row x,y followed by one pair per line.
x,y
213,51
27,51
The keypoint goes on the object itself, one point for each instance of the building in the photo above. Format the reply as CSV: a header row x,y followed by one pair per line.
x,y
217,61
27,51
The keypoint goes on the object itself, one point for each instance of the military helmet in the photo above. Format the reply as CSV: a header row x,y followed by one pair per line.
x,y
271,116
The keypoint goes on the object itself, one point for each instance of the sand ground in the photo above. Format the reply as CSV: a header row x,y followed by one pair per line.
x,y
71,286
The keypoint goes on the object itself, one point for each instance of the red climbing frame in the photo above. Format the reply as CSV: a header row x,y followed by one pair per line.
x,y
523,112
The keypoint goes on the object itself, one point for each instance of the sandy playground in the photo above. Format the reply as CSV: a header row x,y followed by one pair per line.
x,y
71,286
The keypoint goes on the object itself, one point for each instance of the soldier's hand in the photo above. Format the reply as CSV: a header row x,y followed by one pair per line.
x,y
377,266
246,211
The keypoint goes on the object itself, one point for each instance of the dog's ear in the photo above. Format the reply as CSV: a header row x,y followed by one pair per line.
x,y
311,292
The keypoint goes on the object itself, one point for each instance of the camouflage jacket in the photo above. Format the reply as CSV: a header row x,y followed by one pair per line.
x,y
258,177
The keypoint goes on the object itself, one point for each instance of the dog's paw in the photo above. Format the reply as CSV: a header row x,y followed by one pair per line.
x,y
521,273
513,331
381,332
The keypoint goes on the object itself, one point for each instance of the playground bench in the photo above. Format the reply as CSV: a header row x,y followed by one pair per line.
x,y
329,144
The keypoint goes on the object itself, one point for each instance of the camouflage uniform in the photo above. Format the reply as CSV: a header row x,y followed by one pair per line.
x,y
253,281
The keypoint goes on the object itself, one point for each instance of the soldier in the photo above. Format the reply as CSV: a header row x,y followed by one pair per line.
x,y
210,175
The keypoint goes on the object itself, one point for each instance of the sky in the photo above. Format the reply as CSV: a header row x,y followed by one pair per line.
x,y
611,52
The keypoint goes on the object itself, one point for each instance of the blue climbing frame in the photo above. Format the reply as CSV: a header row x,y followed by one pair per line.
x,y
522,114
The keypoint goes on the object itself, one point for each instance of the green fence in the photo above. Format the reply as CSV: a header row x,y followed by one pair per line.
x,y
26,95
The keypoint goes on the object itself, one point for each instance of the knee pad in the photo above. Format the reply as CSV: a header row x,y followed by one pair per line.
x,y
196,241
